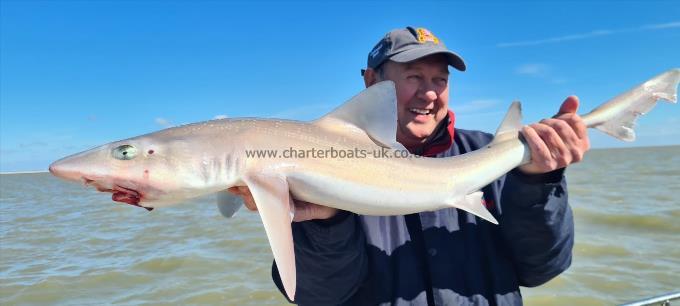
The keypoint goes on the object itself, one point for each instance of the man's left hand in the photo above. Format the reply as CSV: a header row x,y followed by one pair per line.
x,y
556,142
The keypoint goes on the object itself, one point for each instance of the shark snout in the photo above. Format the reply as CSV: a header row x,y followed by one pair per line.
x,y
65,170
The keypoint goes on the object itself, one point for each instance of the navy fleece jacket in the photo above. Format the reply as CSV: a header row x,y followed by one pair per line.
x,y
444,257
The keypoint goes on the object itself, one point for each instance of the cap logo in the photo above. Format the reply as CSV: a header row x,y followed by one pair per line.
x,y
424,36
376,50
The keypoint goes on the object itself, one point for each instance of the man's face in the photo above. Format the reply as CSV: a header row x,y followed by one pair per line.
x,y
422,97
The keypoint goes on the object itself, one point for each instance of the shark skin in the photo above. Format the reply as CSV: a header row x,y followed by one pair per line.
x,y
180,163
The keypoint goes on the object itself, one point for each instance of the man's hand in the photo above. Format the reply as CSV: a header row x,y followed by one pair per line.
x,y
557,142
303,210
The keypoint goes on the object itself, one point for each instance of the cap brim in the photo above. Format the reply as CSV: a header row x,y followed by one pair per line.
x,y
411,55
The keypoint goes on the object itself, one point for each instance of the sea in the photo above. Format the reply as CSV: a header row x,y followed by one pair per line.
x,y
64,244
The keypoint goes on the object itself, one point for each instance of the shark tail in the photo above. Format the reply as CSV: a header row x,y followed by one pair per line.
x,y
617,117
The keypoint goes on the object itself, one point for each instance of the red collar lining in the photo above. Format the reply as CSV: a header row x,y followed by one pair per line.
x,y
439,145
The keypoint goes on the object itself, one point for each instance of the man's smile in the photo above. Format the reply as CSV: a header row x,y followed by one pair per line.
x,y
420,111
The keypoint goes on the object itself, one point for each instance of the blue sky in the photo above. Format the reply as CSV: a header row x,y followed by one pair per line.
x,y
76,74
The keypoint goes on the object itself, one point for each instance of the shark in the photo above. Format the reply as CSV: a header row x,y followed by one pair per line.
x,y
370,173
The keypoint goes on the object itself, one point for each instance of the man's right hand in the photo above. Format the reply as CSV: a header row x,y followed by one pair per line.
x,y
303,210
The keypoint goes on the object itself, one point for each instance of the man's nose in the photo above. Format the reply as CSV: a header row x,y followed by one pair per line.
x,y
428,94
431,95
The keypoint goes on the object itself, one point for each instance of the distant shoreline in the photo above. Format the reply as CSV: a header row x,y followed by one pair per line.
x,y
23,172
635,147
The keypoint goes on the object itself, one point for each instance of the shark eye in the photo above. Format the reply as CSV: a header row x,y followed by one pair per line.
x,y
124,152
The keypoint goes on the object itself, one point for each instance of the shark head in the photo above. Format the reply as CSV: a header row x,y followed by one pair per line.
x,y
139,171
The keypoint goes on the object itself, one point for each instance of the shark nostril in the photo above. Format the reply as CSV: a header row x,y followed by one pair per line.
x,y
55,168
86,181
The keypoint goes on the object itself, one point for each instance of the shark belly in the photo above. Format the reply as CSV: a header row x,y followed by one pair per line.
x,y
366,199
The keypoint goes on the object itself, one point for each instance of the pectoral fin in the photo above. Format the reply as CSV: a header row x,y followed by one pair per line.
x,y
228,204
272,198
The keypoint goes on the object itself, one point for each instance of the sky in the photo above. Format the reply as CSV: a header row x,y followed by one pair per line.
x,y
77,74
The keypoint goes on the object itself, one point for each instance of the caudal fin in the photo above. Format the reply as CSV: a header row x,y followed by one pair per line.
x,y
617,117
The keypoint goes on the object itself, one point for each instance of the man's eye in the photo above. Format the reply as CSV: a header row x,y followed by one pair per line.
x,y
413,77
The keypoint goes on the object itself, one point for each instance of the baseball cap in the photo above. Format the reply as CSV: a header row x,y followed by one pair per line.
x,y
409,44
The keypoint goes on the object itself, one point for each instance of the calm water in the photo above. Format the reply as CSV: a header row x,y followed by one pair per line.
x,y
63,244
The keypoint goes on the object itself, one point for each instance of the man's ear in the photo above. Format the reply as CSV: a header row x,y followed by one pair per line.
x,y
370,77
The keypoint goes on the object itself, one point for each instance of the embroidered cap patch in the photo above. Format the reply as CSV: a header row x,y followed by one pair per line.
x,y
424,36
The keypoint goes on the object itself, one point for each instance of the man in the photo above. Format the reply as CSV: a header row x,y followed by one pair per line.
x,y
445,257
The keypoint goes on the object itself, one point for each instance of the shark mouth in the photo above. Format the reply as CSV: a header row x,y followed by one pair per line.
x,y
119,193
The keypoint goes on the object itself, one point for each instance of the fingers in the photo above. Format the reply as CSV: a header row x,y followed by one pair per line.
x,y
539,151
557,142
548,151
245,194
302,211
559,137
574,132
305,211
234,190
576,123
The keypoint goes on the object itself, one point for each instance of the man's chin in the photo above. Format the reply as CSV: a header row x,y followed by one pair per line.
x,y
413,139
421,130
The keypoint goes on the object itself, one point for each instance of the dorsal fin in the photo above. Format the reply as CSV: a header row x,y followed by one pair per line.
x,y
512,123
374,110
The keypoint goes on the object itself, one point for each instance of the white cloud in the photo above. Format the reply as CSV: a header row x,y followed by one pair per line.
x,y
163,122
591,34
675,24
558,81
533,69
541,71
220,117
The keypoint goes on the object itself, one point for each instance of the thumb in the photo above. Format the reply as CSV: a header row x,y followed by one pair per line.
x,y
570,105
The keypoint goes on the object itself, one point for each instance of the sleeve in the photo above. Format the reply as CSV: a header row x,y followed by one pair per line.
x,y
537,225
330,258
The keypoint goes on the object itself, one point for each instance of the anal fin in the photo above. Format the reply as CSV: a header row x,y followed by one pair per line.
x,y
472,203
